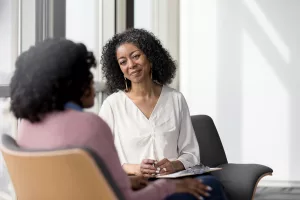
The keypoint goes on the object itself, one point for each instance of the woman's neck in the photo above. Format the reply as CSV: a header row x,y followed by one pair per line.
x,y
145,89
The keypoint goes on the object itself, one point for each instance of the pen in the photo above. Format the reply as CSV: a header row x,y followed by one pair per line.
x,y
157,169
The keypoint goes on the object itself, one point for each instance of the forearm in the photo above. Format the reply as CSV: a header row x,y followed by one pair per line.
x,y
131,169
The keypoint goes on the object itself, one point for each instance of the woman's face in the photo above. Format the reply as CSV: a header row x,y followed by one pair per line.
x,y
133,63
88,97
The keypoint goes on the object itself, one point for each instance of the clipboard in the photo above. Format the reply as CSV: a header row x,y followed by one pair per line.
x,y
196,170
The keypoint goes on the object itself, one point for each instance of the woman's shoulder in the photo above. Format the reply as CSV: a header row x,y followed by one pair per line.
x,y
88,119
173,92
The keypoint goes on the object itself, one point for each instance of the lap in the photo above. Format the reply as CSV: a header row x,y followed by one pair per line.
x,y
208,179
217,192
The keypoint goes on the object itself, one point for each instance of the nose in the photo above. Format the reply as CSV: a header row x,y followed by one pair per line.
x,y
131,64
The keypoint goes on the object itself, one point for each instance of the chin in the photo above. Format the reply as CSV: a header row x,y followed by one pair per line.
x,y
137,80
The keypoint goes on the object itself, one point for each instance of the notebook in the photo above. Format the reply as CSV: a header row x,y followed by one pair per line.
x,y
196,170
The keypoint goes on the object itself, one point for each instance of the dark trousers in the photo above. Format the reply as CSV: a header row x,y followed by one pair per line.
x,y
216,194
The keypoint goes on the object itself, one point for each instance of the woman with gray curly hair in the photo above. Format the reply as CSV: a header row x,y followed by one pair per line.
x,y
150,121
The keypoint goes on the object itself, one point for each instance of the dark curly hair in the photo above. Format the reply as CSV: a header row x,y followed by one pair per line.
x,y
48,75
163,66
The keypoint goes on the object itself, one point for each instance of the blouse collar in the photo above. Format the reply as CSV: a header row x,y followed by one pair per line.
x,y
73,106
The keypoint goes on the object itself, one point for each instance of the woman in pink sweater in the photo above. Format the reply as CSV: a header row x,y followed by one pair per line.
x,y
51,85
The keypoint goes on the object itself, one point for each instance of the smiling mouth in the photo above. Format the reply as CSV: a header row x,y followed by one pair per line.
x,y
134,73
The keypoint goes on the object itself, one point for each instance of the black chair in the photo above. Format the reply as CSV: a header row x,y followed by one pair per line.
x,y
239,180
60,174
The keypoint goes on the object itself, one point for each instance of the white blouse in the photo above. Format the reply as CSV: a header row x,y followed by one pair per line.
x,y
168,133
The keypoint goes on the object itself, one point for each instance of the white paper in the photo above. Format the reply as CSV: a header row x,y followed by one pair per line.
x,y
197,170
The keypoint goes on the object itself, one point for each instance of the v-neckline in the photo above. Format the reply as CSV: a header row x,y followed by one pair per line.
x,y
155,107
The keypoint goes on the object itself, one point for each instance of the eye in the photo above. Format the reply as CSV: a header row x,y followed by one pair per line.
x,y
123,62
136,56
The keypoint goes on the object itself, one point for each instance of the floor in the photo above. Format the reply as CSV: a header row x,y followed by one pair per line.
x,y
272,193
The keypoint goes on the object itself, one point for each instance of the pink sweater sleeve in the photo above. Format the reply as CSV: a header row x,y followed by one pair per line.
x,y
101,141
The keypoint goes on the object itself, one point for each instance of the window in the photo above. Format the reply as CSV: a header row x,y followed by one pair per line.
x,y
8,52
92,23
22,23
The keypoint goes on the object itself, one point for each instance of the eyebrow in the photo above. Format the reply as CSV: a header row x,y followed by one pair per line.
x,y
129,54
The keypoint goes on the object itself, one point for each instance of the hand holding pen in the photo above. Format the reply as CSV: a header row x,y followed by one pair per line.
x,y
151,168
147,168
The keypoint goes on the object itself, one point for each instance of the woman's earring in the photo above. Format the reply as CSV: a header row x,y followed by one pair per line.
x,y
126,84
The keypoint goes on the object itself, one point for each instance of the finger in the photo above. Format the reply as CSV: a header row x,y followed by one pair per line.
x,y
164,171
161,162
147,166
195,194
149,175
157,170
200,189
166,168
166,164
203,186
201,192
148,171
148,161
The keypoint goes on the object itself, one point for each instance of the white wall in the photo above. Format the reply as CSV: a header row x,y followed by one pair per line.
x,y
240,65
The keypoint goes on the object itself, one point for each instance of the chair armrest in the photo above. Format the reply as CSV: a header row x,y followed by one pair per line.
x,y
240,180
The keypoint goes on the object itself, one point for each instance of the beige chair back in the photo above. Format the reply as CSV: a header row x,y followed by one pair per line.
x,y
70,174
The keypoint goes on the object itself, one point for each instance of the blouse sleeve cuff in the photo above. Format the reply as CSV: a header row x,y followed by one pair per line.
x,y
185,163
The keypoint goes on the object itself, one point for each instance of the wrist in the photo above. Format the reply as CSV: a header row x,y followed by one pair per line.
x,y
131,169
177,165
137,169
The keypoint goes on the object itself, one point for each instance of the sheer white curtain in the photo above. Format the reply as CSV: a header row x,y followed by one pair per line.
x,y
161,18
92,23
8,51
